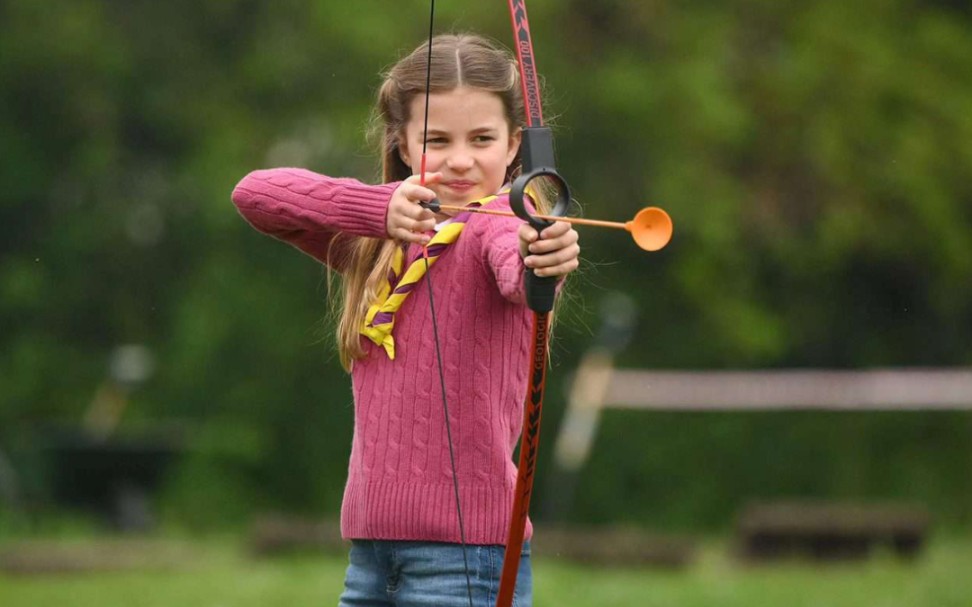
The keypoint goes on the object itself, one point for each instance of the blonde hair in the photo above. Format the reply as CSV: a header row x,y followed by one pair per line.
x,y
457,60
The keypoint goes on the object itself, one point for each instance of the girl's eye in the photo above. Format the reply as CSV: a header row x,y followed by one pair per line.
x,y
436,140
484,138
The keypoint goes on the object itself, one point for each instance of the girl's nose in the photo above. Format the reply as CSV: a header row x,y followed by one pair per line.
x,y
459,161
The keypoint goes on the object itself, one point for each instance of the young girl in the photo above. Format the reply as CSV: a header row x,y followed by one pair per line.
x,y
399,507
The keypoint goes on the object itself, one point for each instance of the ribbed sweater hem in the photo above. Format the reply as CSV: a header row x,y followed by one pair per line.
x,y
389,510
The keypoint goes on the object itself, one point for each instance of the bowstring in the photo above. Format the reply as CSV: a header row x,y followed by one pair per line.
x,y
435,326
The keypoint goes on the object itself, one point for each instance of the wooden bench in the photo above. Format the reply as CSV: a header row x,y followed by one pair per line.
x,y
829,531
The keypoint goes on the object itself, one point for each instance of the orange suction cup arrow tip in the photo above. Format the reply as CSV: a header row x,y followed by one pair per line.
x,y
651,228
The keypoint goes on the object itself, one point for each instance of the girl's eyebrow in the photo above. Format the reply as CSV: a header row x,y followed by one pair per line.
x,y
481,129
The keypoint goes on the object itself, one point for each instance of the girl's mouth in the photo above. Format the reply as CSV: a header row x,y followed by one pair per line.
x,y
460,185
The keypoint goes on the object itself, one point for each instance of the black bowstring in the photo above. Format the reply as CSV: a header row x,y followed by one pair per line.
x,y
435,327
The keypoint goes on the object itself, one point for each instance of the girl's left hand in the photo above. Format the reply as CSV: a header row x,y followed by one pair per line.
x,y
554,252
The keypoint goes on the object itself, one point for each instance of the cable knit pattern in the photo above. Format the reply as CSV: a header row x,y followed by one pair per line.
x,y
399,477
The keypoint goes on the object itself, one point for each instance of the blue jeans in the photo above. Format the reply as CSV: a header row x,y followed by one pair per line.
x,y
428,574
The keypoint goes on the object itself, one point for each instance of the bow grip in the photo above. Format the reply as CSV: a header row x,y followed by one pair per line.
x,y
538,161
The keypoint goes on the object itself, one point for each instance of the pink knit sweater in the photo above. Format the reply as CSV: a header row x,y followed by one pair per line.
x,y
399,477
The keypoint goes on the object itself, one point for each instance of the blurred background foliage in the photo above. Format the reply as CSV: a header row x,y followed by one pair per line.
x,y
816,158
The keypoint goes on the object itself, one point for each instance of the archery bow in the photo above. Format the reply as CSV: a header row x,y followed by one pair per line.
x,y
651,229
537,158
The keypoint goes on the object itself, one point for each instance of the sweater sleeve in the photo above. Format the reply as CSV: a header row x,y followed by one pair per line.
x,y
501,252
308,210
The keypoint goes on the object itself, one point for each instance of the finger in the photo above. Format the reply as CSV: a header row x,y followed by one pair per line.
x,y
415,193
407,235
559,269
551,232
527,233
566,256
421,223
558,228
410,215
415,212
549,245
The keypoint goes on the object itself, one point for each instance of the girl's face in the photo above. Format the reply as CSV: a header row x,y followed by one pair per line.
x,y
469,142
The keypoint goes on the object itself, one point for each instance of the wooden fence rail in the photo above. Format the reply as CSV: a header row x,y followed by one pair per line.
x,y
878,389
598,385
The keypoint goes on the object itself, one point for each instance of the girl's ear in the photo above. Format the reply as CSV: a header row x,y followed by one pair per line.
x,y
403,150
514,145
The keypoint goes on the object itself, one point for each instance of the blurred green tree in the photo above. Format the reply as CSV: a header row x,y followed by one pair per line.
x,y
816,158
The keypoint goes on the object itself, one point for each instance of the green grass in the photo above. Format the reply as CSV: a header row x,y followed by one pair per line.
x,y
220,574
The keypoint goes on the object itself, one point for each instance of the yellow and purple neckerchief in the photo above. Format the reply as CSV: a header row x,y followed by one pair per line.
x,y
380,319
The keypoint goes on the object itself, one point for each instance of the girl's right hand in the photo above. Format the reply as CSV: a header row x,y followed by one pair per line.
x,y
406,220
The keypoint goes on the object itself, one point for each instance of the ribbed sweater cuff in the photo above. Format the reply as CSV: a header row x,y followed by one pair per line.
x,y
362,208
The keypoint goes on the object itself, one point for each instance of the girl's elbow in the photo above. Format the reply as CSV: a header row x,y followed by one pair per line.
x,y
244,191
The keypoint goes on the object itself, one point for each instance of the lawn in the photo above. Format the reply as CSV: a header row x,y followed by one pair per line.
x,y
221,574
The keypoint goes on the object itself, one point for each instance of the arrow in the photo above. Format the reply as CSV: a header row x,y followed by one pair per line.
x,y
651,228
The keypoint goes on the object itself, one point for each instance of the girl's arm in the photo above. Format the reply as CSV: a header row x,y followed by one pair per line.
x,y
308,210
510,246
